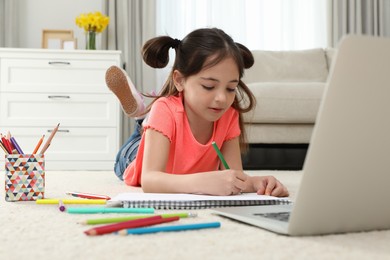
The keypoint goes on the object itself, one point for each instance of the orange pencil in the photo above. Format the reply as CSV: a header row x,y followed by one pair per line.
x,y
39,144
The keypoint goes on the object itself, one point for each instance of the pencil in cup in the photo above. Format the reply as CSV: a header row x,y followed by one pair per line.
x,y
4,148
16,145
148,230
6,143
48,141
39,144
143,222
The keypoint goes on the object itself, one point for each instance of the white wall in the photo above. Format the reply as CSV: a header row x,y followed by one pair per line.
x,y
37,15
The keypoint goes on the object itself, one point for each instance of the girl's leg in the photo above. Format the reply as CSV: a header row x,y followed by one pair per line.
x,y
120,83
128,152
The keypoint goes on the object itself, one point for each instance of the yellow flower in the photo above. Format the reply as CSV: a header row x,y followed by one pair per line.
x,y
95,22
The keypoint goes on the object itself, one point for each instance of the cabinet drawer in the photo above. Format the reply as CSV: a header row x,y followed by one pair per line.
x,y
73,110
58,75
70,144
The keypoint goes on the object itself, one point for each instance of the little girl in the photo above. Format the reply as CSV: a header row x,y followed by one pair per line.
x,y
202,101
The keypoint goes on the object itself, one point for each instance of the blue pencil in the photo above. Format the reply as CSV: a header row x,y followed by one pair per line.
x,y
148,230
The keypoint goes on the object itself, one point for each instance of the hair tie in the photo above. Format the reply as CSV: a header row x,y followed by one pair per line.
x,y
176,43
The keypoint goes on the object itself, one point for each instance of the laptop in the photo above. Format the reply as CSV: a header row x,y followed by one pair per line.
x,y
345,185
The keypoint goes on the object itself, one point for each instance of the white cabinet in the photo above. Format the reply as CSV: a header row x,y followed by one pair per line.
x,y
41,88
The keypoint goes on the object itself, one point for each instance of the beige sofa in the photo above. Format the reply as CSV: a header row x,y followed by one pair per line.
x,y
288,86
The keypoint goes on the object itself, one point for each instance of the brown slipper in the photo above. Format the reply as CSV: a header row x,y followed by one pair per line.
x,y
118,83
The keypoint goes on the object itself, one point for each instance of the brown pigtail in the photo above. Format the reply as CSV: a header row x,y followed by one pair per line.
x,y
155,52
247,56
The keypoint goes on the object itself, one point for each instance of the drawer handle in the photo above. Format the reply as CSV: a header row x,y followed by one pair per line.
x,y
59,63
59,130
54,97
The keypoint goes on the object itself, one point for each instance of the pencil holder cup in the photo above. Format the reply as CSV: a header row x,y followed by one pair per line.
x,y
24,177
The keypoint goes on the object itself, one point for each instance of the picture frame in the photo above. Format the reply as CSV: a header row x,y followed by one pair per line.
x,y
69,44
53,39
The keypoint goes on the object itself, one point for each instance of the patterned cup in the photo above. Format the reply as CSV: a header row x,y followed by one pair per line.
x,y
24,177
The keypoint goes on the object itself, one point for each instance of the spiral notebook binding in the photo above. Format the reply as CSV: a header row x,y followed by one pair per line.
x,y
202,204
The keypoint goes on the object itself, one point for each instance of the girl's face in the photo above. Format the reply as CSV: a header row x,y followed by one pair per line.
x,y
210,93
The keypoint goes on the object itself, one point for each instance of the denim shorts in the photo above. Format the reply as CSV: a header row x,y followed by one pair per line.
x,y
128,152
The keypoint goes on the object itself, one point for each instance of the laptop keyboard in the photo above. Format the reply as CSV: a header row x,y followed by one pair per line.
x,y
281,216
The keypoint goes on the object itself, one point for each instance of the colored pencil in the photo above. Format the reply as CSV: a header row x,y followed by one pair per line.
x,y
7,144
89,210
129,224
3,147
87,195
220,155
39,144
149,230
48,142
122,219
61,206
70,201
16,145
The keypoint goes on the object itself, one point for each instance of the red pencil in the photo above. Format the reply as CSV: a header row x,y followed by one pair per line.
x,y
7,144
129,224
87,195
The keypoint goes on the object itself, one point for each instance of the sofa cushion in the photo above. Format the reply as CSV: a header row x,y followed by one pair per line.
x,y
285,103
279,133
288,66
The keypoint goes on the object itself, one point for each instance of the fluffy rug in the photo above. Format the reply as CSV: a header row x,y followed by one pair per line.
x,y
43,232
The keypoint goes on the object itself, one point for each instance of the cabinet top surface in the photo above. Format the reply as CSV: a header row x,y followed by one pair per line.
x,y
16,51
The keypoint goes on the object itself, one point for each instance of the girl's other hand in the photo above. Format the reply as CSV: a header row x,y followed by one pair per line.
x,y
269,185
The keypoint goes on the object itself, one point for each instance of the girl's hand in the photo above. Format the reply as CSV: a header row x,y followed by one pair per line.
x,y
224,183
269,185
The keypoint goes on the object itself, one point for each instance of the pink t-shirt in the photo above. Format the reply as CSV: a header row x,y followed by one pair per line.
x,y
186,154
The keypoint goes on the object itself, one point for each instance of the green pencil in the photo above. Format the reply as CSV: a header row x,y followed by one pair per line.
x,y
220,155
109,210
121,219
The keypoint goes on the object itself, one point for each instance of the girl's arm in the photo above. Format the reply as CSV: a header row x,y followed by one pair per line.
x,y
224,182
155,179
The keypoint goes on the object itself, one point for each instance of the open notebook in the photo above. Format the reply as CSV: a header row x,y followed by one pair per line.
x,y
191,201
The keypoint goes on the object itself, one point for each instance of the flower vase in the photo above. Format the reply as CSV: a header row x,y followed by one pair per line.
x,y
90,40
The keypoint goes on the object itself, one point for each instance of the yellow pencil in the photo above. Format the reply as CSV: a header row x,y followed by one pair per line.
x,y
39,144
70,201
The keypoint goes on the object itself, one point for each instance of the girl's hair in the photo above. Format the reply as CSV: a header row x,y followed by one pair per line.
x,y
201,49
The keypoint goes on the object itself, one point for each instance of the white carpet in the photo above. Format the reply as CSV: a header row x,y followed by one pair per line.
x,y
31,231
